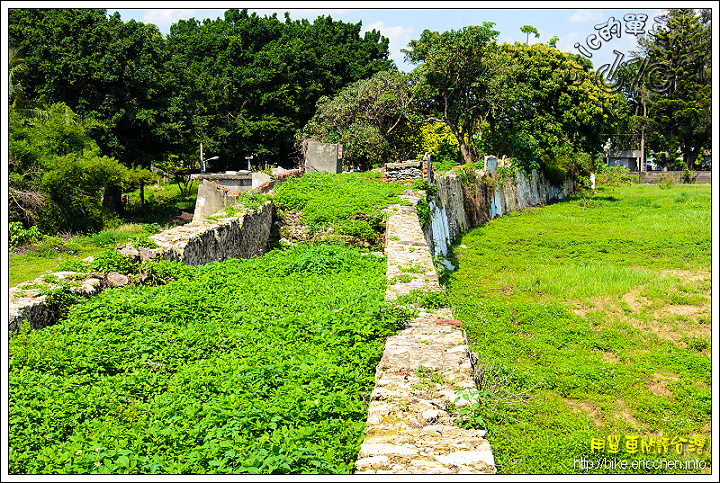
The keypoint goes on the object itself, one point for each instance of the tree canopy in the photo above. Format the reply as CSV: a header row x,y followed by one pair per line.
x,y
238,84
681,91
554,107
461,81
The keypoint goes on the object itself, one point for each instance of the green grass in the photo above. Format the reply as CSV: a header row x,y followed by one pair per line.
x,y
50,254
607,309
57,253
245,366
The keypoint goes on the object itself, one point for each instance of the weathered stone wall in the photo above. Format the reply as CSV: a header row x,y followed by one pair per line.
x,y
203,242
217,190
405,171
650,177
195,243
410,428
464,202
27,304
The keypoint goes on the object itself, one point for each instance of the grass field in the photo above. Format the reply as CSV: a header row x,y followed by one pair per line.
x,y
602,315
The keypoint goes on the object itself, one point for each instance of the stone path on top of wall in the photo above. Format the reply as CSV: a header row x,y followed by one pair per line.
x,y
409,429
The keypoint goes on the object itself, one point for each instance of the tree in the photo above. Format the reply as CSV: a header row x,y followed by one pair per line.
x,y
103,68
679,83
365,117
460,80
56,172
16,68
554,107
529,29
254,81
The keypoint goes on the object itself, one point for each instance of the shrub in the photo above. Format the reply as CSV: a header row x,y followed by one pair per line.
x,y
18,235
614,176
112,260
666,181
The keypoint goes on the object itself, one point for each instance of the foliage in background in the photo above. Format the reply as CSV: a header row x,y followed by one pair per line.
x,y
461,83
614,176
680,83
554,112
363,117
192,378
54,159
17,235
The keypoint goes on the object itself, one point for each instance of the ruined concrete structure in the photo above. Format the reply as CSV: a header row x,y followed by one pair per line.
x,y
243,236
426,366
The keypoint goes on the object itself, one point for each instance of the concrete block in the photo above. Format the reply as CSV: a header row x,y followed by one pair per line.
x,y
324,157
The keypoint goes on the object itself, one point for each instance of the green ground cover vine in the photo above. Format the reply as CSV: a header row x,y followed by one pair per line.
x,y
606,310
244,366
349,203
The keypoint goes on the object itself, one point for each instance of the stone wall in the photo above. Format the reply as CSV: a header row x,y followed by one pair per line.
x,y
652,177
218,190
466,200
195,243
405,171
203,242
410,427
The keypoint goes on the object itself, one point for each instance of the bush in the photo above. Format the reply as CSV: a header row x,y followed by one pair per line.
x,y
18,235
615,176
112,260
666,181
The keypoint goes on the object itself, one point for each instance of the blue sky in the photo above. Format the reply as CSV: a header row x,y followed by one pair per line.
x,y
572,22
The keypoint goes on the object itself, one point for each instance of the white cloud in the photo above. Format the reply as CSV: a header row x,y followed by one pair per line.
x,y
164,18
585,16
399,38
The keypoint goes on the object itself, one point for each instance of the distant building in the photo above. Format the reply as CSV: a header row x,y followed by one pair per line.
x,y
627,159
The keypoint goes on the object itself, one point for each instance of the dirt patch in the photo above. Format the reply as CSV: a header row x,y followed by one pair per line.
x,y
688,275
674,333
590,409
581,308
610,357
635,301
623,412
689,311
658,385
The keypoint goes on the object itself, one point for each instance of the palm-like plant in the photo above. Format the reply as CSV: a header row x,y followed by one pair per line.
x,y
17,67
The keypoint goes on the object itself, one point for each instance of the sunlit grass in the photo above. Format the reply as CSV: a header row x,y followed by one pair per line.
x,y
607,308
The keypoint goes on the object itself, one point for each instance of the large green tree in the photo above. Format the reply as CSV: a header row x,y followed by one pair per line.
x,y
238,84
100,67
249,83
554,107
367,117
462,80
679,83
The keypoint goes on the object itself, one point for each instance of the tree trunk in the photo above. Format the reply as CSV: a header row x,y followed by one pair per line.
x,y
142,196
690,155
113,199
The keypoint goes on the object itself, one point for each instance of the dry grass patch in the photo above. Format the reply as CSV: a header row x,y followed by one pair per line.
x,y
658,385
